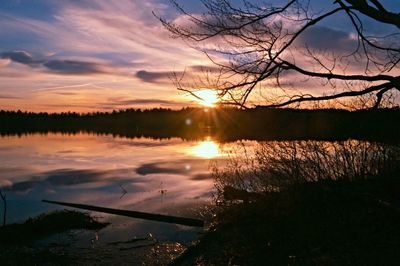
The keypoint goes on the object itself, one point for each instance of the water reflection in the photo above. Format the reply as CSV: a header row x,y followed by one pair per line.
x,y
169,176
92,169
207,149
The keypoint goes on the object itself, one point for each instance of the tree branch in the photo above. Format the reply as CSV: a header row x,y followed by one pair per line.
x,y
380,14
306,98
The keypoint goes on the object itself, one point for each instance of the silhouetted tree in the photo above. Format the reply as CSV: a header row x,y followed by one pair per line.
x,y
4,199
259,46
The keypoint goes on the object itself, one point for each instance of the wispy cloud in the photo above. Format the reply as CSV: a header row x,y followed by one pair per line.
x,y
324,38
120,103
90,50
144,101
22,57
91,42
4,96
153,77
61,66
74,67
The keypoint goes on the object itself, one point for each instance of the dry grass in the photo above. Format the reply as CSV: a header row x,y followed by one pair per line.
x,y
273,166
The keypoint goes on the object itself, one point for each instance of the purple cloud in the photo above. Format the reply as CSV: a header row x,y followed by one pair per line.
x,y
74,67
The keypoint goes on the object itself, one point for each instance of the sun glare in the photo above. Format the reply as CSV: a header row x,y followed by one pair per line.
x,y
209,98
206,149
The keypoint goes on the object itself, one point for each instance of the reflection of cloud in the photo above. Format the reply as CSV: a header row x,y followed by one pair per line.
x,y
199,177
190,166
142,142
67,177
24,186
158,168
71,177
5,183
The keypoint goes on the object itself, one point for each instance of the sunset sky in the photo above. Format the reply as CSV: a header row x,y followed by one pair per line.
x,y
87,55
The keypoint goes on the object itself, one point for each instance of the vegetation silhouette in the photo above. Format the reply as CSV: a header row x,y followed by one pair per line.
x,y
18,242
257,47
222,124
3,197
305,203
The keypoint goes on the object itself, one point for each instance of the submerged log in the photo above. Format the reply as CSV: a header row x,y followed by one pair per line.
x,y
134,214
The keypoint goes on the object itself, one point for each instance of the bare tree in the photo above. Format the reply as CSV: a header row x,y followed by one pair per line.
x,y
4,199
262,46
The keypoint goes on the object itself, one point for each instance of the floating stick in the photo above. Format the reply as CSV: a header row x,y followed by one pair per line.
x,y
134,214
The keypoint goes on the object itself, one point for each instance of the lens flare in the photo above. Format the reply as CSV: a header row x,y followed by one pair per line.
x,y
208,98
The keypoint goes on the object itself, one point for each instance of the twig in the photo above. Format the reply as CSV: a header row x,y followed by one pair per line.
x,y
4,198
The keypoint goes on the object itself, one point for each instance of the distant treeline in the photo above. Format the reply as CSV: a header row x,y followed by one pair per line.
x,y
222,124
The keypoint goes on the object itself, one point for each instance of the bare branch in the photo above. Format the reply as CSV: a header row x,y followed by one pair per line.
x,y
379,13
304,98
254,45
4,199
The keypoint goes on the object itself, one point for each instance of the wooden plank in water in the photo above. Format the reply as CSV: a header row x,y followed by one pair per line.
x,y
134,214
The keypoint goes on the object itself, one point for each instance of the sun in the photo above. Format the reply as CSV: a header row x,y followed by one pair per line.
x,y
207,97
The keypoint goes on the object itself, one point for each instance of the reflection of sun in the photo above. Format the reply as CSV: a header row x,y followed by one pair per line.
x,y
207,97
206,149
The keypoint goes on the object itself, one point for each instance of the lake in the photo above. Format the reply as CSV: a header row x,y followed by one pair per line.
x,y
168,176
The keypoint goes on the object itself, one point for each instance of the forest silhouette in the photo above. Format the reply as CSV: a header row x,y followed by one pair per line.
x,y
221,124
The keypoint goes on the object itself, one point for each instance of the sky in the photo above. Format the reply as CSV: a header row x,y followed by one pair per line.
x,y
89,55
98,55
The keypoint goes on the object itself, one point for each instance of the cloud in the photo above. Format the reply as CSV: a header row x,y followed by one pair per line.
x,y
65,93
5,96
92,42
74,67
4,62
60,66
152,77
164,76
204,69
21,57
324,38
143,101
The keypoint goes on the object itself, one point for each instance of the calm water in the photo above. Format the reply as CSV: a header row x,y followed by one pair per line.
x,y
164,176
